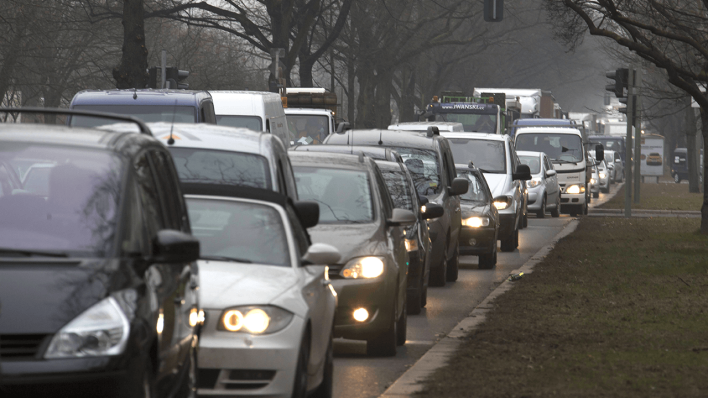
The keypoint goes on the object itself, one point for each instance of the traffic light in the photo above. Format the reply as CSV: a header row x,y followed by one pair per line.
x,y
174,78
621,78
493,10
623,109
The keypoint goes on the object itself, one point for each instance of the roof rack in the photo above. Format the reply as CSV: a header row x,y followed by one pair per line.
x,y
144,129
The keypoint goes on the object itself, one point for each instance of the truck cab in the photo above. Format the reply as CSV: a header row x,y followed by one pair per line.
x,y
311,114
475,117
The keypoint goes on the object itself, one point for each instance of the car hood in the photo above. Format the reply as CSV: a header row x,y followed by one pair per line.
x,y
497,183
352,240
227,284
469,208
41,296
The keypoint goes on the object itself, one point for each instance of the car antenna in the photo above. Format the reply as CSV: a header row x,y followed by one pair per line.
x,y
171,141
380,133
135,93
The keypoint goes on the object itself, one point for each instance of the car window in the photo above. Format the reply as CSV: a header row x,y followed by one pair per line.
x,y
476,191
558,147
74,210
250,232
308,129
254,123
135,241
302,239
487,155
174,208
386,200
149,197
533,162
397,185
221,167
344,196
425,169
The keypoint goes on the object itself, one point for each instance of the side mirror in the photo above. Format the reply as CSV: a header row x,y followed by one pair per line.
x,y
618,160
550,173
433,210
171,247
401,218
308,212
321,254
599,153
459,186
523,172
342,127
423,200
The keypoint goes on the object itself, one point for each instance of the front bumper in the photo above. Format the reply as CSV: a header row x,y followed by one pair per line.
x,y
242,364
475,241
535,199
376,295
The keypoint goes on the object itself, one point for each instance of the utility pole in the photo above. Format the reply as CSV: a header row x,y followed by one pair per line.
x,y
637,108
628,155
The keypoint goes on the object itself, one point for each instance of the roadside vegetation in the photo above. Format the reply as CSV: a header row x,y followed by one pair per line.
x,y
617,309
660,196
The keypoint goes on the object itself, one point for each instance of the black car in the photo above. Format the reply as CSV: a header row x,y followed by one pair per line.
x,y
429,159
97,271
480,218
402,189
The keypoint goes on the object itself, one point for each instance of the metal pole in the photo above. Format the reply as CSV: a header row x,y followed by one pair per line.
x,y
163,78
628,155
494,10
637,135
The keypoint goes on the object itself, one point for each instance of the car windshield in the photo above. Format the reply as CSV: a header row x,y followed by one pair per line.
x,y
68,202
534,163
308,129
221,167
241,231
249,122
487,155
424,167
397,185
475,192
146,113
558,147
344,196
608,144
474,122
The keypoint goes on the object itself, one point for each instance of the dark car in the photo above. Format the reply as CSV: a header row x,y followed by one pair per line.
x,y
358,217
429,159
403,193
98,280
171,106
480,218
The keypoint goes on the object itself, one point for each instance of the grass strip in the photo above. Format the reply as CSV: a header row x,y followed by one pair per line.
x,y
617,309
660,196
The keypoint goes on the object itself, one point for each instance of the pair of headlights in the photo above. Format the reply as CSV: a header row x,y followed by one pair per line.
x,y
475,222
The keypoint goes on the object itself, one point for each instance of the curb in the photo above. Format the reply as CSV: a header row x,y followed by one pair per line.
x,y
410,382
647,211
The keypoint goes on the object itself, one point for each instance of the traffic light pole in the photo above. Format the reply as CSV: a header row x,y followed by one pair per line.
x,y
628,155
637,107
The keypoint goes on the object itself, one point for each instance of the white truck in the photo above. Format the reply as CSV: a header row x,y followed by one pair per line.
x,y
565,147
311,114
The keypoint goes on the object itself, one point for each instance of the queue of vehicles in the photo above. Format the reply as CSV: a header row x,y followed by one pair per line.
x,y
212,252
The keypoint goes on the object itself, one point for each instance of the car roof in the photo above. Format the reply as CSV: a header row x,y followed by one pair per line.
x,y
388,138
544,121
423,126
529,153
235,191
331,159
139,97
477,136
554,130
307,111
209,136
377,153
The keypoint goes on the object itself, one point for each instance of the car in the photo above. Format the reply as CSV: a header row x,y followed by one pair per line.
x,y
358,217
603,176
654,159
268,305
494,155
378,153
595,182
429,159
543,188
149,105
614,165
403,193
255,110
99,281
480,218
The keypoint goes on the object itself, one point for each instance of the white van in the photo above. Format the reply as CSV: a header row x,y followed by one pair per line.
x,y
443,127
255,110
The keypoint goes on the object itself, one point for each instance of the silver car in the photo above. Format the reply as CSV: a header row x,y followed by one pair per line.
x,y
595,182
543,188
604,179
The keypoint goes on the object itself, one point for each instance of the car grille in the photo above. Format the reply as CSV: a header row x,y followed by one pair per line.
x,y
206,378
234,379
20,345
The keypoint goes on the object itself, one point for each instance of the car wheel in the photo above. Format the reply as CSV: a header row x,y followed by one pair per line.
x,y
384,345
488,261
542,213
401,326
453,265
424,298
557,211
303,359
414,301
188,389
511,243
148,389
525,220
326,388
596,195
677,178
438,276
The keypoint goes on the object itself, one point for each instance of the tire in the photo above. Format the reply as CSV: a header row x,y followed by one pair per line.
x,y
401,326
438,277
596,195
525,220
148,387
557,211
542,213
414,300
677,178
511,243
384,345
488,261
188,388
303,358
453,265
424,298
326,388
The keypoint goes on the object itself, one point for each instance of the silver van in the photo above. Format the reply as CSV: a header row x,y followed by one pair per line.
x,y
255,110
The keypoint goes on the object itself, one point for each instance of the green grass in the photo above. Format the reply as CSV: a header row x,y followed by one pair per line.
x,y
660,197
618,309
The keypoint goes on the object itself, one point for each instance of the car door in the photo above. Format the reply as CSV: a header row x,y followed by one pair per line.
x,y
517,185
550,182
456,214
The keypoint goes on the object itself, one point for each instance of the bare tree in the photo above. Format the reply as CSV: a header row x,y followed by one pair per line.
x,y
132,70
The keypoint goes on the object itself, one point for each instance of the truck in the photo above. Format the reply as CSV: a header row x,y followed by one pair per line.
x,y
488,113
529,99
310,114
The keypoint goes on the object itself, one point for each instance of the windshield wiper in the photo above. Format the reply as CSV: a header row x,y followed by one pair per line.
x,y
564,161
31,253
226,258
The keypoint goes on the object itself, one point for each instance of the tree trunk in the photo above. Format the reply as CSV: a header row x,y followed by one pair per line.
x,y
10,59
704,208
691,160
407,106
382,108
351,87
305,71
132,71
365,101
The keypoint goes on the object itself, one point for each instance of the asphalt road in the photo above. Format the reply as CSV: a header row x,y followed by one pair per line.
x,y
357,376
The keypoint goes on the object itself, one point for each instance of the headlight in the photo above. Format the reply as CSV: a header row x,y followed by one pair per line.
x,y
534,183
254,319
603,175
475,222
100,330
411,245
593,181
363,268
502,203
575,189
